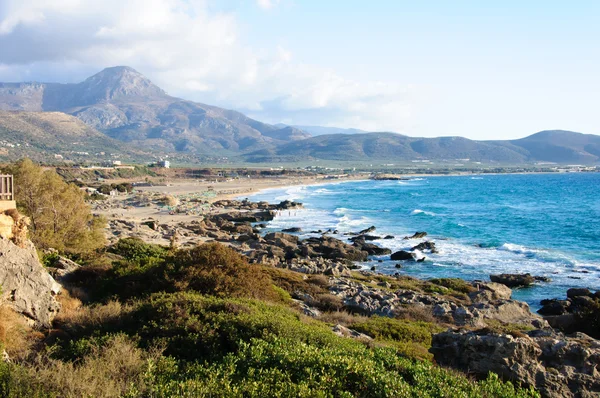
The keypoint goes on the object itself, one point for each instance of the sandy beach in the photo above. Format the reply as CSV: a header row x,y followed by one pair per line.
x,y
195,199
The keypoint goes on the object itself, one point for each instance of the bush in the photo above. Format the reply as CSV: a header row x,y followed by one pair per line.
x,y
60,217
219,270
454,284
283,368
114,369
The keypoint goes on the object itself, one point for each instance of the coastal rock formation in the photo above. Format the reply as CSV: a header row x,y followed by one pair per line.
x,y
26,286
425,246
402,255
416,235
513,280
579,312
557,365
375,301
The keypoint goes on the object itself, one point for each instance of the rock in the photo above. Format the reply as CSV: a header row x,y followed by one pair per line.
x,y
152,224
280,236
554,307
372,250
416,235
364,237
513,280
26,286
402,255
292,230
424,246
507,311
332,248
578,292
422,260
542,279
489,291
309,311
63,269
343,331
288,204
389,237
556,365
368,230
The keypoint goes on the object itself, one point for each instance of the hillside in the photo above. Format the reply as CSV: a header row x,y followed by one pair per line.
x,y
547,146
322,130
127,106
122,104
45,134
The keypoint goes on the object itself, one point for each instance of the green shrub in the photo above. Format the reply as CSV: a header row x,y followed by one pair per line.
x,y
454,284
219,270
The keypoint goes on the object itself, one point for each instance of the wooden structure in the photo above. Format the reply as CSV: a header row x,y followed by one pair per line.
x,y
7,193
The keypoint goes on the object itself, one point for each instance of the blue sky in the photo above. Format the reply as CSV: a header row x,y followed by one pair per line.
x,y
485,70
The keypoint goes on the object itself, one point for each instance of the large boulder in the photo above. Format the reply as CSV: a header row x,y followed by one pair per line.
x,y
556,365
489,291
332,248
402,255
26,285
513,280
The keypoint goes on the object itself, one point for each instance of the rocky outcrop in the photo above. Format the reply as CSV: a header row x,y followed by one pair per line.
x,y
513,280
579,312
402,255
375,301
343,331
416,235
557,365
26,286
425,246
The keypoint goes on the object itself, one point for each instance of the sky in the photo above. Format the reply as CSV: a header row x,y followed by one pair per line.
x,y
477,69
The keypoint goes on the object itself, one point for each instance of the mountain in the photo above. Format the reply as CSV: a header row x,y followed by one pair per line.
x,y
41,135
321,130
548,146
125,105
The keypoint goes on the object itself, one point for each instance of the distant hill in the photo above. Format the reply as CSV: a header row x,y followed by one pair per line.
x,y
41,135
122,104
547,146
321,130
125,105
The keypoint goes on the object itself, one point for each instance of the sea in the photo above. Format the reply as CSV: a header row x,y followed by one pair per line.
x,y
542,224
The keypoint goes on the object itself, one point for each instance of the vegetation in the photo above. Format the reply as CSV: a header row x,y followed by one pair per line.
x,y
60,218
202,322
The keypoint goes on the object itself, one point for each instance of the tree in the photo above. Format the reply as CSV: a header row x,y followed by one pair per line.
x,y
60,217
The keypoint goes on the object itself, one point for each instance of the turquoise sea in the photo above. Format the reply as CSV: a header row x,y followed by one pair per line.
x,y
544,224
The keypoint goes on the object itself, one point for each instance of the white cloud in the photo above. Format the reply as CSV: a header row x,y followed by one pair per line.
x,y
190,52
267,4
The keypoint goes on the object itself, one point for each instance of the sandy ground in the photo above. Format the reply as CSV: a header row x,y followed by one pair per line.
x,y
114,207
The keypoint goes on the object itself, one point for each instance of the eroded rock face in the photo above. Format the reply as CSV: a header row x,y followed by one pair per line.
x,y
26,285
557,365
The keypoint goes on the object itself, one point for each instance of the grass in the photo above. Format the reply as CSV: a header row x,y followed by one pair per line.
x,y
203,322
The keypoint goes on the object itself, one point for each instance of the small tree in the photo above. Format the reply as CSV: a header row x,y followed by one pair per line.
x,y
60,217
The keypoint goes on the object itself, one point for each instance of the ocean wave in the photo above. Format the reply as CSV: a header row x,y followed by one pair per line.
x,y
417,179
419,211
476,178
340,211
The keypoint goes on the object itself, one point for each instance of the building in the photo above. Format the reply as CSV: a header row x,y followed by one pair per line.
x,y
164,163
7,196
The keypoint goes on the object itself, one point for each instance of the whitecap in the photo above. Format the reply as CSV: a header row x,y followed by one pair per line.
x,y
419,211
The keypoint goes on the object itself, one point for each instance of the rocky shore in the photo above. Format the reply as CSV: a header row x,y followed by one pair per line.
x,y
486,329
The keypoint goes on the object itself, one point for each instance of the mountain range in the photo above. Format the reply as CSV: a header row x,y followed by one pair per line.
x,y
121,109
126,106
